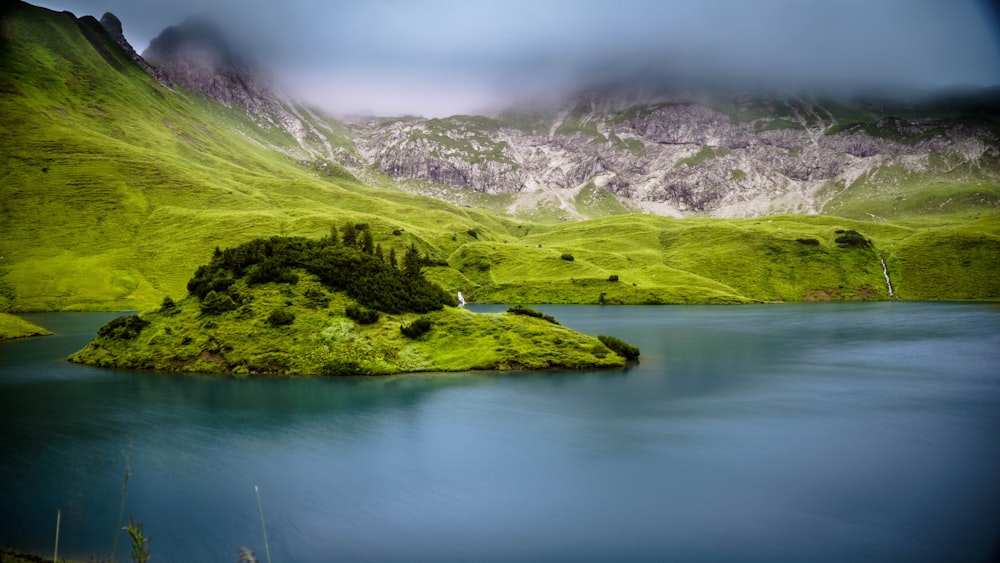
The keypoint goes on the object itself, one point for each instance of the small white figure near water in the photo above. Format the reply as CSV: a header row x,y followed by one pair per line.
x,y
461,300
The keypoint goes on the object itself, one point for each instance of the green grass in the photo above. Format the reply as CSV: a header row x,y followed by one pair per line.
x,y
12,326
321,340
705,153
113,189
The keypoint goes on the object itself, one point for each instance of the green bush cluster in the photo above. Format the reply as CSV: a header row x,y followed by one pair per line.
x,y
528,312
350,268
851,238
620,347
361,315
123,328
416,329
568,257
280,317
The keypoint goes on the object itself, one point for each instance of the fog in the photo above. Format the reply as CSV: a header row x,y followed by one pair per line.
x,y
439,57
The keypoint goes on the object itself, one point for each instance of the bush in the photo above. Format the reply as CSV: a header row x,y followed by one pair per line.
x,y
167,304
852,238
340,368
416,329
807,241
522,310
620,347
361,315
217,302
123,328
567,257
280,317
613,278
316,298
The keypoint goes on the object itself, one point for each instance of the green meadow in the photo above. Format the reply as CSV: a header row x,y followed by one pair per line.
x,y
114,188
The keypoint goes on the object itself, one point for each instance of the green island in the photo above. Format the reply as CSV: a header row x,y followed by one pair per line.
x,y
335,306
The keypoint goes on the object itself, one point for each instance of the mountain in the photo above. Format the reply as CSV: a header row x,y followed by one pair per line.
x,y
117,181
686,154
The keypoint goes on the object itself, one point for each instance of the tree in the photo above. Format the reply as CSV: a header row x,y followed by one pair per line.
x,y
392,258
412,261
367,243
350,235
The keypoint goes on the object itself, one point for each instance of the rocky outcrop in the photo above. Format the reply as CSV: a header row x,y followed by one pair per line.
x,y
113,26
196,56
676,155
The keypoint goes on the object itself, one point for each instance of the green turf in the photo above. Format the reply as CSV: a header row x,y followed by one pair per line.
x,y
12,326
113,189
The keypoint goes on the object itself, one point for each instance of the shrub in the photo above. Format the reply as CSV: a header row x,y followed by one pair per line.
x,y
167,304
473,233
361,315
851,238
807,241
567,257
316,298
217,302
528,312
340,368
123,328
620,347
613,278
280,317
416,329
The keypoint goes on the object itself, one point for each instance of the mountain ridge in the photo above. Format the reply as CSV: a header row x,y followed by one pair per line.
x,y
114,187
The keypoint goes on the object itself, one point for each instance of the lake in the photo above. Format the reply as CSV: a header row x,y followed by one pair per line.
x,y
813,432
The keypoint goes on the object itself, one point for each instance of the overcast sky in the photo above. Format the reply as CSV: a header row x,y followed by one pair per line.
x,y
440,57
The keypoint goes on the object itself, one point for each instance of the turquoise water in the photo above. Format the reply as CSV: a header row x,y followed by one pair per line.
x,y
861,432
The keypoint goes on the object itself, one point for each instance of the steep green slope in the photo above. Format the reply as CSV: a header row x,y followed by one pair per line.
x,y
113,188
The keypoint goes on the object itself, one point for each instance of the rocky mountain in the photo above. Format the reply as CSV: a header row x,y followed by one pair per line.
x,y
683,154
196,56
672,152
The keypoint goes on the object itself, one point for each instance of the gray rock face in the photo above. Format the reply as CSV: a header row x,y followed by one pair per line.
x,y
674,156
113,26
196,56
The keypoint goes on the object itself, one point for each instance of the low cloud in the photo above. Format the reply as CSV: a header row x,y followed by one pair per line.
x,y
432,55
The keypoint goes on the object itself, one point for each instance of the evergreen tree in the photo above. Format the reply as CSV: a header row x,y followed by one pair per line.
x,y
392,259
350,235
367,243
334,235
412,261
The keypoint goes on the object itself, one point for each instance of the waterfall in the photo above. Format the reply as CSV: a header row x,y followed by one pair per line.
x,y
885,272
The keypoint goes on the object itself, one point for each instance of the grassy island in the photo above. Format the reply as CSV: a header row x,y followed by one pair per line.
x,y
333,306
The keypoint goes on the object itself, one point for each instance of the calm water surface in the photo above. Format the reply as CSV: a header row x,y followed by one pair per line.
x,y
867,432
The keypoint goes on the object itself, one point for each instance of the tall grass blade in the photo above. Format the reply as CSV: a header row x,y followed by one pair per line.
x,y
55,552
260,506
121,512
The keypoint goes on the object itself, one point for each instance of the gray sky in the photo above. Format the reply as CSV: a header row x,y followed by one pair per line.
x,y
440,57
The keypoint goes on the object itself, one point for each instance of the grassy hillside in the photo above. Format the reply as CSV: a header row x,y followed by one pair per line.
x,y
113,189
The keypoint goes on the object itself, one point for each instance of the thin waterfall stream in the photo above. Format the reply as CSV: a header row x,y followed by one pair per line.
x,y
885,272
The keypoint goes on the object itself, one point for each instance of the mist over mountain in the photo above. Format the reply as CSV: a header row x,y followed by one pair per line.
x,y
443,57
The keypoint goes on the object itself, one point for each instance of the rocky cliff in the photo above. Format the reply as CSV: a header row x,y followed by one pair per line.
x,y
683,154
196,55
